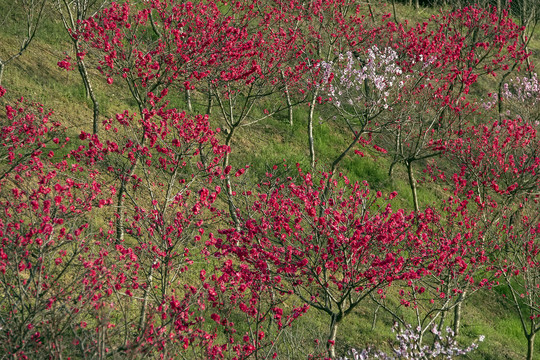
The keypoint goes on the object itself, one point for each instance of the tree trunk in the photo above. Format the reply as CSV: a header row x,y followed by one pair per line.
x,y
228,184
527,15
120,203
391,169
530,345
394,11
121,199
443,318
210,101
458,312
288,98
331,343
188,100
89,91
397,151
412,183
81,72
374,322
289,105
2,65
144,306
310,128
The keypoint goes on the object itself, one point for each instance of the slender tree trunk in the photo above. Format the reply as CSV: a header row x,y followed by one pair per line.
x,y
458,312
528,14
310,128
289,106
2,65
397,151
120,203
288,98
530,345
331,343
391,168
228,184
444,310
528,59
86,91
443,318
101,337
188,100
142,314
412,183
374,322
394,11
457,317
89,92
210,101
121,199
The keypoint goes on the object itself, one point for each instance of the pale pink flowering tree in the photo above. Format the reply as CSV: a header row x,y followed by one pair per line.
x,y
362,90
438,62
520,95
410,346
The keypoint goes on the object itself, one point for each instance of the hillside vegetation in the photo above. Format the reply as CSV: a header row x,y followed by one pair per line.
x,y
268,179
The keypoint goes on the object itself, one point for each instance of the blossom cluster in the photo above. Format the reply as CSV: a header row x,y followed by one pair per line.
x,y
410,346
368,81
522,90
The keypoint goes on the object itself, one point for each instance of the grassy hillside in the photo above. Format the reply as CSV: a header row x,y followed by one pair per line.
x,y
36,76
